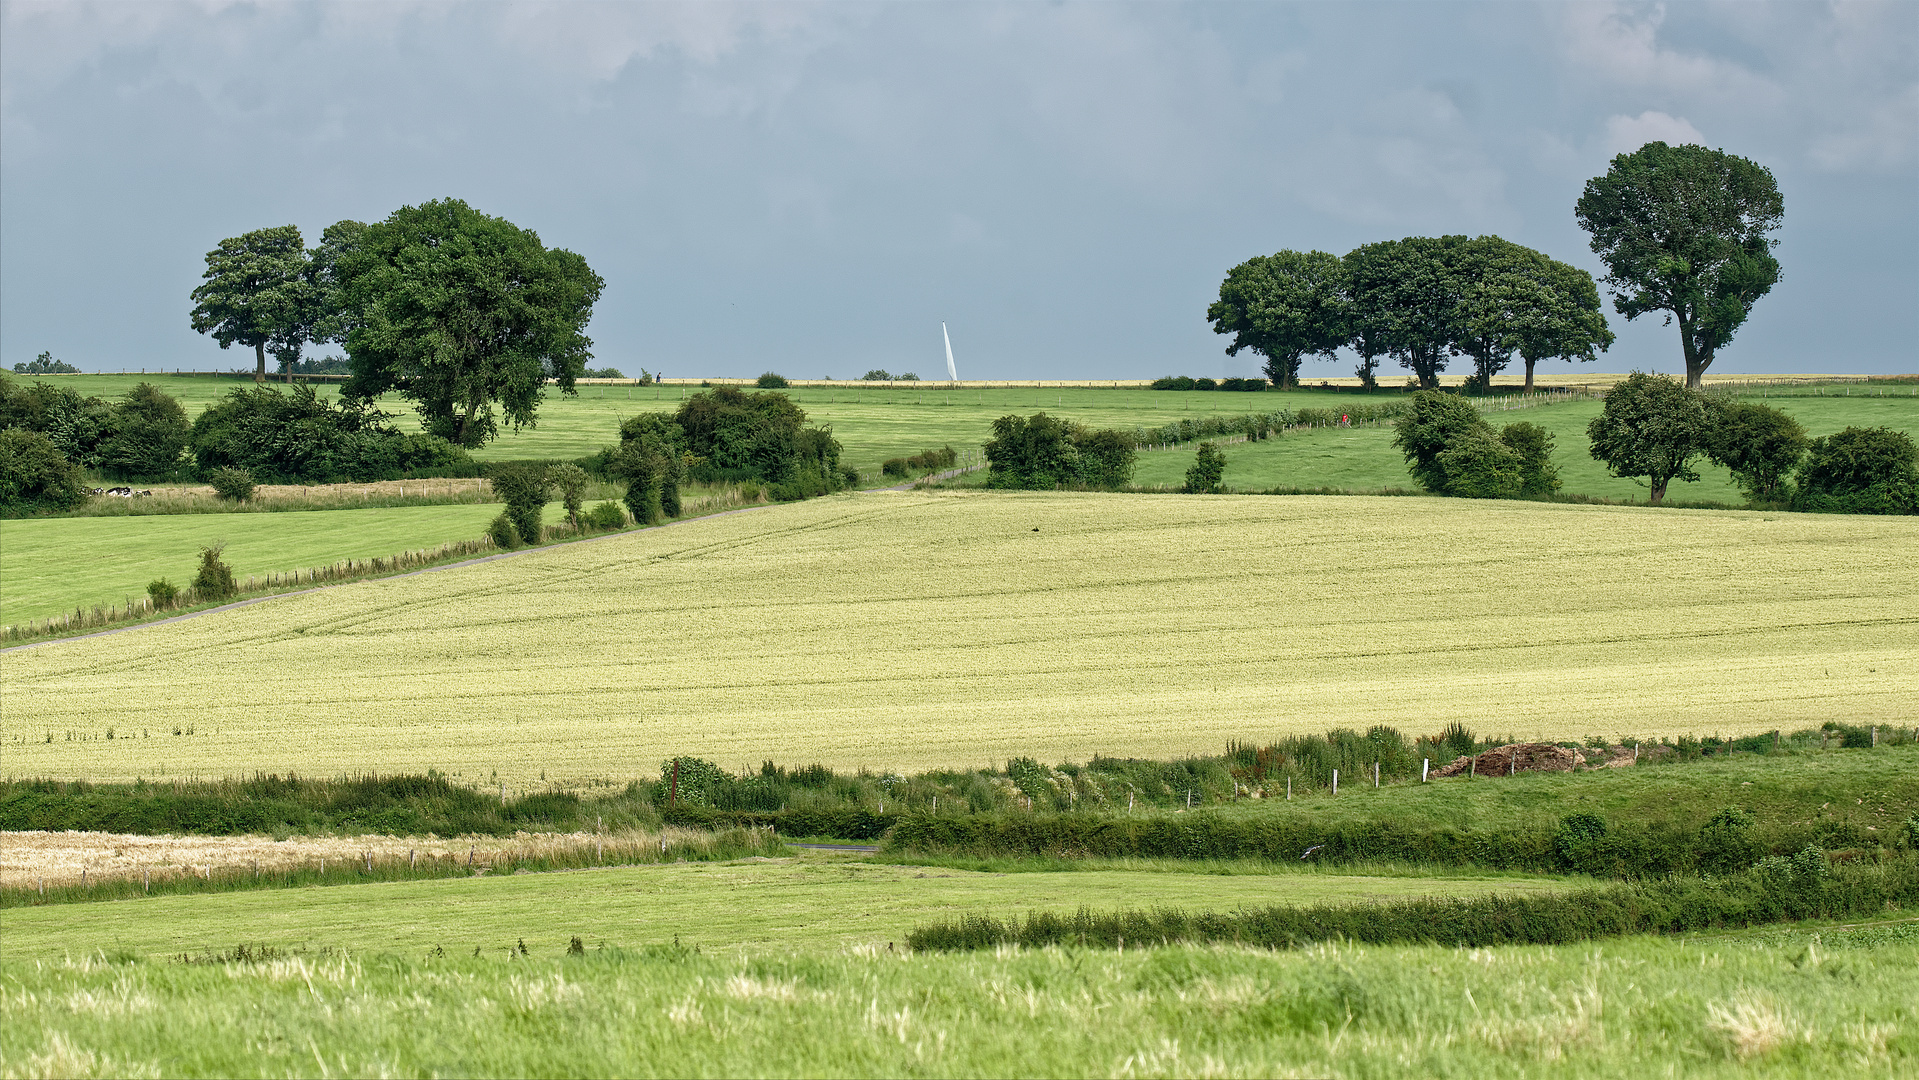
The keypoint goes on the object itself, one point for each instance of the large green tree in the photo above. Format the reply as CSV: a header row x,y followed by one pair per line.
x,y
1517,300
1407,299
256,292
459,312
1284,307
1759,445
1685,230
1653,427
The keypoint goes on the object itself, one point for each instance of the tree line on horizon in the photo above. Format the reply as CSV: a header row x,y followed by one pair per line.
x,y
1683,231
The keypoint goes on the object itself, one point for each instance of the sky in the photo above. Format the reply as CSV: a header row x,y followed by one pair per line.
x,y
813,188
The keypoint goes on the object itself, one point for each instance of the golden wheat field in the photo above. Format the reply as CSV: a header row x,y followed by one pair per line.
x,y
909,630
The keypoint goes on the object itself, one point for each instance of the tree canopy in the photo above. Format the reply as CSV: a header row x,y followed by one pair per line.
x,y
1516,300
1653,427
1407,300
1284,307
457,311
1684,230
257,292
1042,452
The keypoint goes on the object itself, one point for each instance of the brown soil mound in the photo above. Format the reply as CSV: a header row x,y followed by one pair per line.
x,y
1518,758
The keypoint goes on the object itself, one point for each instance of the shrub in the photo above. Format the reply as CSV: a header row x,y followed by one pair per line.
x,y
771,381
907,376
522,486
1478,466
1726,843
233,485
652,459
1533,446
733,435
1457,740
893,467
1173,382
1435,422
689,780
1044,452
214,581
877,375
1243,385
502,533
1205,384
1758,444
36,476
1209,466
605,515
1860,471
1580,843
163,593
571,480
298,438
147,434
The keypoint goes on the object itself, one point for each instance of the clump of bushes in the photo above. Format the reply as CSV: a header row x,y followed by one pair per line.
x,y
231,484
771,381
214,580
501,531
523,487
1452,450
925,461
1860,471
35,476
605,516
347,441
1209,469
1183,382
1043,453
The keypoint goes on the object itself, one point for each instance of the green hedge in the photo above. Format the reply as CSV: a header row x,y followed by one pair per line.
x,y
1802,889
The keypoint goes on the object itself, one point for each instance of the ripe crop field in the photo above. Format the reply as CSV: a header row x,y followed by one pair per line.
x,y
1804,1002
48,565
915,630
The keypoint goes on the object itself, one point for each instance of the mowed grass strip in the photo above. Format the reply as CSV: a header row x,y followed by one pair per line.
x,y
918,630
50,565
809,903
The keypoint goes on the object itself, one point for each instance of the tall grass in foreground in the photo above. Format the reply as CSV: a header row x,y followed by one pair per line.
x,y
1832,1002
1778,890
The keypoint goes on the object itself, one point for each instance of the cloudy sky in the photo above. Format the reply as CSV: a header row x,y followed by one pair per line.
x,y
812,188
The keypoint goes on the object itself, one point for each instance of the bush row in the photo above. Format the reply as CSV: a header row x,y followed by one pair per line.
x,y
1776,891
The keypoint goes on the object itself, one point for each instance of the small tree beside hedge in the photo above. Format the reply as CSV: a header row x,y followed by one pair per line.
x,y
522,486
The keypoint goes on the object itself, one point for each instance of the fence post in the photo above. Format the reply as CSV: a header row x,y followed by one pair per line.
x,y
1289,789
1375,774
1423,763
146,880
1335,781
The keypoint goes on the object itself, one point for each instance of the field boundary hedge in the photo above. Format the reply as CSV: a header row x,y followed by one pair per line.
x,y
1803,889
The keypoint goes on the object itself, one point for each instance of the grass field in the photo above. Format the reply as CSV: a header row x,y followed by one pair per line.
x,y
811,904
48,565
1775,1003
877,422
912,630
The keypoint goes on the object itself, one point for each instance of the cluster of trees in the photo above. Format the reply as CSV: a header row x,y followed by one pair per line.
x,y
725,434
1419,300
45,364
455,311
1184,382
882,375
1682,230
1042,453
1655,429
1452,450
299,438
49,436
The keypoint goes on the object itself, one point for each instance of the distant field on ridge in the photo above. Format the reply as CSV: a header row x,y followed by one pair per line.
x,y
914,630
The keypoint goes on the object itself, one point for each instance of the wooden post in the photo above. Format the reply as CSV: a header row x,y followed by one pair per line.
x,y
369,862
411,862
1335,781
146,880
1375,774
1875,734
469,856
83,877
1423,764
1472,766
1289,789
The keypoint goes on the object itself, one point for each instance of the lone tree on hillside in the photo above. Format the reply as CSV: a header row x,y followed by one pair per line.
x,y
458,311
257,292
1284,307
1683,230
1652,427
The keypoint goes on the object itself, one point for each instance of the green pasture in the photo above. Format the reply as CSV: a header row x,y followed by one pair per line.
x,y
1813,1001
49,565
1365,458
1874,789
812,903
874,422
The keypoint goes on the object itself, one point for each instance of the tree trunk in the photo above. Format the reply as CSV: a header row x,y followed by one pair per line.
x,y
1696,364
1658,488
1529,376
259,362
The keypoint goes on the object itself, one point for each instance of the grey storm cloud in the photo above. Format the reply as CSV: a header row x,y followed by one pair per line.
x,y
814,188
